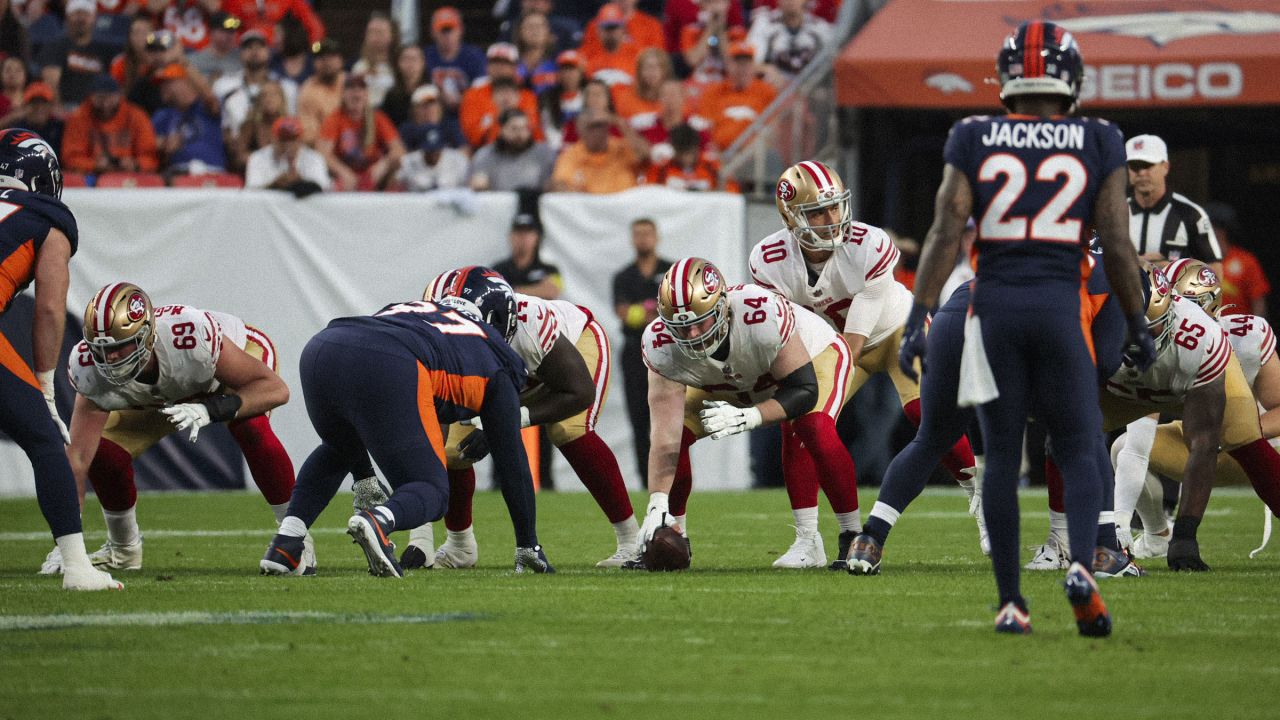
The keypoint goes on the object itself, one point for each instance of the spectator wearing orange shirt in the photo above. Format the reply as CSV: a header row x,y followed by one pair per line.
x,y
478,114
615,60
641,28
1244,285
265,14
598,163
640,102
359,144
108,133
734,103
689,168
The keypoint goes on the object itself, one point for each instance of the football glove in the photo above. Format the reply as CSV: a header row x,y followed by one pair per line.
x,y
46,387
474,447
475,422
913,342
655,517
1141,350
1184,554
720,419
188,416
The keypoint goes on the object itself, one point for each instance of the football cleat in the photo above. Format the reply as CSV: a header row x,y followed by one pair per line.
x,y
52,564
370,532
88,578
1114,563
1052,555
636,564
627,552
287,555
1149,545
118,556
1013,620
532,559
846,541
1092,618
864,555
417,558
806,552
974,492
459,550
369,493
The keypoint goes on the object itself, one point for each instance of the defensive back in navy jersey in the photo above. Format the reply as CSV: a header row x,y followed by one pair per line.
x,y
1035,181
25,221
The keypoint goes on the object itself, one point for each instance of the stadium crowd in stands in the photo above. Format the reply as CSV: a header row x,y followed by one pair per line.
x,y
576,95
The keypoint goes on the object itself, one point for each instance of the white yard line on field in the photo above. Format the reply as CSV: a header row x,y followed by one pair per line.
x,y
253,617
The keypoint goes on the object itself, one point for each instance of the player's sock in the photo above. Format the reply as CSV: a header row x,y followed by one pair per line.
x,y
682,522
682,485
1107,531
836,472
1262,464
462,486
292,526
318,481
422,535
122,526
881,521
626,530
386,514
111,474
806,519
1058,526
597,468
1053,480
849,521
799,474
281,511
269,464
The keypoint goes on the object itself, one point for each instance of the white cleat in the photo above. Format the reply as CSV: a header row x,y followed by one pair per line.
x,y
1052,555
52,564
805,552
627,552
88,578
118,556
309,552
975,510
1148,545
459,551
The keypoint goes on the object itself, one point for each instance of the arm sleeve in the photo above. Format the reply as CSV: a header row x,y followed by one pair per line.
x,y
864,311
798,391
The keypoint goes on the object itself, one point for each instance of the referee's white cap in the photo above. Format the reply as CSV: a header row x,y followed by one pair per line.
x,y
1146,148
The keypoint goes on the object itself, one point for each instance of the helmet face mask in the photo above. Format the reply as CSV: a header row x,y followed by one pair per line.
x,y
119,328
804,193
694,305
1197,282
1040,58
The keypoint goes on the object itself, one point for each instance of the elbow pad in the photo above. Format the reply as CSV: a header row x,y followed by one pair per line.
x,y
798,391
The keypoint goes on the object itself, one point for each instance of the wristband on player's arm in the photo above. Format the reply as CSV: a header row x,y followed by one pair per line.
x,y
798,391
1185,527
222,408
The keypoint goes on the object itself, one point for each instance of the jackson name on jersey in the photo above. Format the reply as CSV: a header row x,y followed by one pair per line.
x,y
187,346
760,323
1197,354
864,263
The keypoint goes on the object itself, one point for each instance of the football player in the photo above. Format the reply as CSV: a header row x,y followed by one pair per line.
x,y
143,372
842,271
724,360
38,236
385,385
1163,449
1034,179
568,357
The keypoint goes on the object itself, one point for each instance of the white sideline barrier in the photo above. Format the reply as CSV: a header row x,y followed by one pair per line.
x,y
288,266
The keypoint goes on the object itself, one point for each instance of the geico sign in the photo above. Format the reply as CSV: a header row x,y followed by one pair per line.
x,y
1165,81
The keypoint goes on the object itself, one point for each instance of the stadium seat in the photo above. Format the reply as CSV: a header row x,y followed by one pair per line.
x,y
73,180
208,180
129,180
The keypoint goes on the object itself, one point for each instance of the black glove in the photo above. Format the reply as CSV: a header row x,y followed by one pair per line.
x,y
474,447
1184,554
1141,350
913,341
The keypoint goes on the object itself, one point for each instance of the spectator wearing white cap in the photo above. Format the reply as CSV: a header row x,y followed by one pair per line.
x,y
1164,225
69,64
427,116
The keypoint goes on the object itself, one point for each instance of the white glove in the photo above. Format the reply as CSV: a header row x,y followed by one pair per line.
x,y
46,387
720,419
188,416
655,517
475,421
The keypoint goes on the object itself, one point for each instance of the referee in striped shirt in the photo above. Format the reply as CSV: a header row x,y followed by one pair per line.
x,y
1163,224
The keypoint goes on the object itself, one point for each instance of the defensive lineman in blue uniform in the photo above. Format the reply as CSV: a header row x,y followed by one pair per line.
x,y
1035,179
385,385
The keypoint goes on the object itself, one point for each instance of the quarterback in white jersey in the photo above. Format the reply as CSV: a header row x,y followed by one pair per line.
x,y
724,360
569,361
142,373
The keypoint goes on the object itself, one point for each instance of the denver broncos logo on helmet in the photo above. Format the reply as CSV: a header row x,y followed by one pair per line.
x,y
1208,276
786,191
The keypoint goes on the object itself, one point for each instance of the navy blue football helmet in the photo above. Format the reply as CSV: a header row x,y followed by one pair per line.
x,y
27,162
489,292
1040,58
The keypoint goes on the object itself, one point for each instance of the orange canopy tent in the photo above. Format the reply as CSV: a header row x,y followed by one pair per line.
x,y
1167,53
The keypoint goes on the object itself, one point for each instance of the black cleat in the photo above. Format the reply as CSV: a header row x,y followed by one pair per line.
x,y
842,559
864,555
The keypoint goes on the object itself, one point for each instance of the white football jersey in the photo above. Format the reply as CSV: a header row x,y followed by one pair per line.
x,y
1197,354
761,323
1252,340
539,322
188,345
862,265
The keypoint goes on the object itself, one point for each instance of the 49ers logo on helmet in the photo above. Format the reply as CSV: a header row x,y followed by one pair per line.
x,y
1161,283
786,191
711,280
137,307
1208,276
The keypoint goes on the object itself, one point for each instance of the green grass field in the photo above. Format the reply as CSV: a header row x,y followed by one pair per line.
x,y
197,633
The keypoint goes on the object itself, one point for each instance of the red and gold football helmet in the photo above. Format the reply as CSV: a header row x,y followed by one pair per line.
x,y
1197,282
120,318
693,301
806,189
1159,305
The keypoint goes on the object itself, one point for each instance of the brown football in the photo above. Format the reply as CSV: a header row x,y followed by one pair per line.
x,y
668,550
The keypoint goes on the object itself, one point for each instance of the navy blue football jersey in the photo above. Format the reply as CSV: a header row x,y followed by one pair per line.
x,y
1035,181
454,347
25,221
